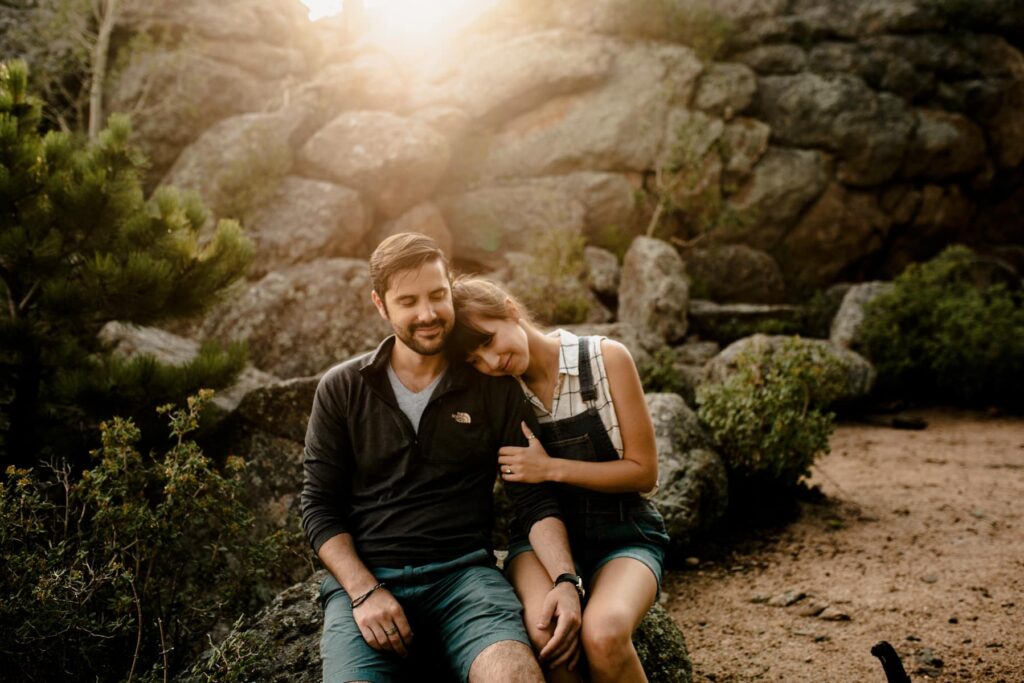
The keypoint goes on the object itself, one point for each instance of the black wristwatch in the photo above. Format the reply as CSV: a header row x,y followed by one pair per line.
x,y
576,581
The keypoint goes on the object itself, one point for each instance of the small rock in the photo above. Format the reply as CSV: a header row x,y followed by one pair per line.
x,y
833,614
954,620
912,638
786,599
930,578
692,562
759,599
813,608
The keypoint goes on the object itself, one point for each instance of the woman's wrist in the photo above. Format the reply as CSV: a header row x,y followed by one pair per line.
x,y
555,472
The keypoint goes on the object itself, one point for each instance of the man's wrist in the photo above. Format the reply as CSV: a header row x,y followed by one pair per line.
x,y
573,580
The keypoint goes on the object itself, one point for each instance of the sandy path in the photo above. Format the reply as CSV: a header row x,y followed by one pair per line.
x,y
919,542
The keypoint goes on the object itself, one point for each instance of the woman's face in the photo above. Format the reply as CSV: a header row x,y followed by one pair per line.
x,y
505,352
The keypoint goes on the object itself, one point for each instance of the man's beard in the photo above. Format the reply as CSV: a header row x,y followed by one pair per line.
x,y
425,347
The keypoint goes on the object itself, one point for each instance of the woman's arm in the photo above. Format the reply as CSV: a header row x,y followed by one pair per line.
x,y
637,470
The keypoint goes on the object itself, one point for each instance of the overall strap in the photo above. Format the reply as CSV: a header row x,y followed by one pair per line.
x,y
588,392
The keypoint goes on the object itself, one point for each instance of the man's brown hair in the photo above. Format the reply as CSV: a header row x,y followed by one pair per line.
x,y
404,251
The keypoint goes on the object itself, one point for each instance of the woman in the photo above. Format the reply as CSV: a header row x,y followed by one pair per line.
x,y
597,445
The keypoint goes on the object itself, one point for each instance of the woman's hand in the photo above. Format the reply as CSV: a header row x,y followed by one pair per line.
x,y
529,465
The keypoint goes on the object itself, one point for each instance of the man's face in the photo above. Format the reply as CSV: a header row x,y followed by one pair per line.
x,y
419,307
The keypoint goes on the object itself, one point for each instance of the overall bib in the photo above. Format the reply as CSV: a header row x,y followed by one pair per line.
x,y
601,526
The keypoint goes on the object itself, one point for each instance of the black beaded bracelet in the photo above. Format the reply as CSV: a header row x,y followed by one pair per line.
x,y
362,598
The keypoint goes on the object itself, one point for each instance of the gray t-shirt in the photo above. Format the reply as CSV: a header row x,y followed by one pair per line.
x,y
412,403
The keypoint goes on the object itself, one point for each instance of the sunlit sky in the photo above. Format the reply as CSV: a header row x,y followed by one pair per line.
x,y
409,19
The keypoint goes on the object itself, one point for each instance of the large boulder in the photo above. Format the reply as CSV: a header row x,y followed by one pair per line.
x,y
425,218
505,78
840,228
280,408
654,295
609,199
781,185
617,126
182,92
282,644
488,222
230,164
303,319
868,131
726,89
859,373
744,141
552,297
131,341
847,322
303,220
944,144
693,491
395,161
733,273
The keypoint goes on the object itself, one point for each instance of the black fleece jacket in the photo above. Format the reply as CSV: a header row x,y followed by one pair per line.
x,y
412,498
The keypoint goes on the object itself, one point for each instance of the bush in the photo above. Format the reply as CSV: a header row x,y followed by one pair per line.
x,y
768,418
121,573
80,245
941,335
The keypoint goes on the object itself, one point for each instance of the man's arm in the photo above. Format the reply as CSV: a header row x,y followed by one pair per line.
x,y
538,510
326,475
380,618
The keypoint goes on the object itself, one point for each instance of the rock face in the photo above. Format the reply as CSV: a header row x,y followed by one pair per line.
x,y
488,222
693,491
282,644
595,130
860,374
735,273
280,408
303,319
844,139
395,161
847,322
654,295
304,220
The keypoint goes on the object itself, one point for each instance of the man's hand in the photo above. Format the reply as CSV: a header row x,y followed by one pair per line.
x,y
563,605
382,622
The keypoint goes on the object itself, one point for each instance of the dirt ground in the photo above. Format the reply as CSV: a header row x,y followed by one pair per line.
x,y
918,540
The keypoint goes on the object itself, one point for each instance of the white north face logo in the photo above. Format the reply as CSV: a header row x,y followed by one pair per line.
x,y
462,418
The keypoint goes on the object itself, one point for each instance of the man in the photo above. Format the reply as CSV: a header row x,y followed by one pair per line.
x,y
400,460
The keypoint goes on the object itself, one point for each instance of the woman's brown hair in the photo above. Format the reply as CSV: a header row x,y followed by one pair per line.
x,y
474,298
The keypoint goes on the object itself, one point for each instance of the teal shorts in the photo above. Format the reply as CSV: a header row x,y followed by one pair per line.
x,y
456,609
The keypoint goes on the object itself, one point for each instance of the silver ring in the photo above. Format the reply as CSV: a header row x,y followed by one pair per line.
x,y
508,470
531,437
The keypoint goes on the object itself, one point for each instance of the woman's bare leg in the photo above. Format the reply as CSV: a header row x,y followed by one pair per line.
x,y
532,583
622,592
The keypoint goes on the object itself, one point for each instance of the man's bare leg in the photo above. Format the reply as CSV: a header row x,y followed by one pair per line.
x,y
506,660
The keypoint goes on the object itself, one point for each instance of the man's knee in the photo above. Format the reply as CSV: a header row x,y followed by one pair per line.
x,y
506,660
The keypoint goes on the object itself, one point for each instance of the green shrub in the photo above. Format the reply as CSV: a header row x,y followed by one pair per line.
x,y
81,245
121,572
940,335
660,374
768,418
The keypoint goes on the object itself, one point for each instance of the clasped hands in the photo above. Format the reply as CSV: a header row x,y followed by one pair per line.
x,y
382,622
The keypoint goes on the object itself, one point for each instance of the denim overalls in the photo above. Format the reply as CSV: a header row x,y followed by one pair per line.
x,y
601,526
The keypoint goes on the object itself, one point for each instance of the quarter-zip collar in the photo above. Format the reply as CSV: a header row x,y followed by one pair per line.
x,y
374,368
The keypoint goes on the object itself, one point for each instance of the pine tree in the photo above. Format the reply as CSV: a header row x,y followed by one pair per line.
x,y
80,245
